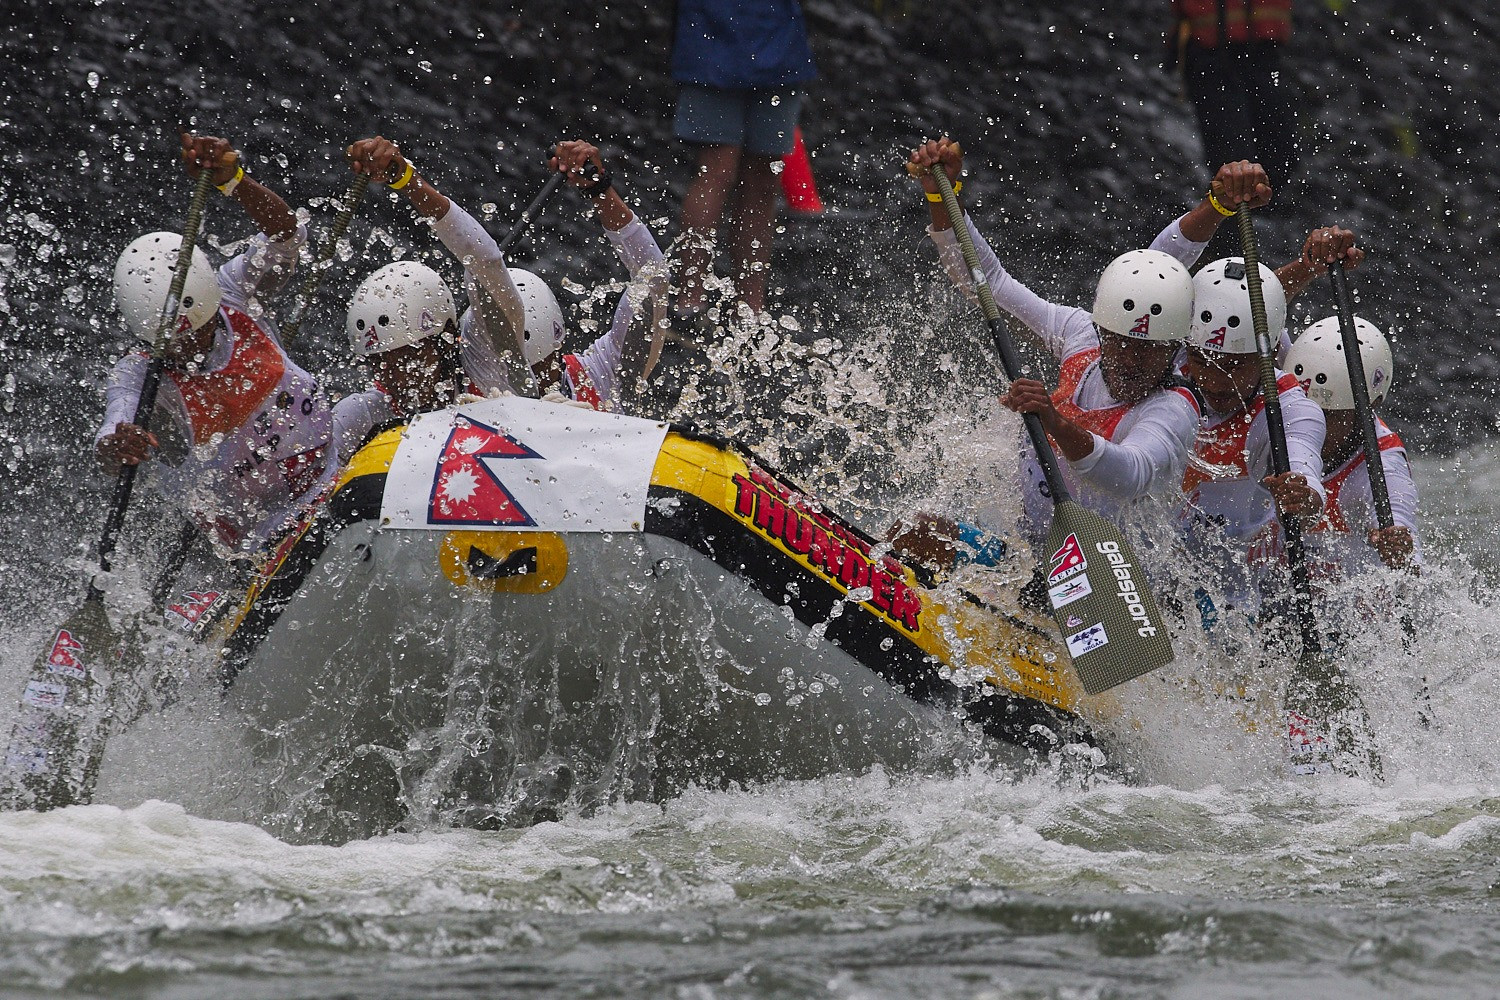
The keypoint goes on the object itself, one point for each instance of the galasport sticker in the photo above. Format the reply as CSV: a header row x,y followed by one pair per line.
x,y
1087,640
1067,561
1126,587
40,694
831,549
66,657
1068,591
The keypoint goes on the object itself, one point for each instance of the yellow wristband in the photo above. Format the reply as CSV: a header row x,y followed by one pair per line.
x,y
935,196
405,177
1217,206
227,188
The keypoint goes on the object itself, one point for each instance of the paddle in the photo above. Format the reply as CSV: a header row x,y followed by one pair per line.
x,y
330,248
57,743
1363,411
1322,706
1108,618
1365,414
530,213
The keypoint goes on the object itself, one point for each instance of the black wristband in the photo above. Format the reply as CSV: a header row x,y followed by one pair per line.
x,y
601,184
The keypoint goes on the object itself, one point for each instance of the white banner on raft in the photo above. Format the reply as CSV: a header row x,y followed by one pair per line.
x,y
518,464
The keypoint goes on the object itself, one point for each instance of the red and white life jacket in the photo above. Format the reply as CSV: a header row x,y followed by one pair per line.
x,y
1225,444
259,433
583,386
1334,518
1105,420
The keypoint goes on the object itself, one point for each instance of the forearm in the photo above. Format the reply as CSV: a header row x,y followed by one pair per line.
x,y
614,214
1073,441
1175,241
938,213
267,209
1201,222
1304,442
429,202
1150,457
123,392
1295,277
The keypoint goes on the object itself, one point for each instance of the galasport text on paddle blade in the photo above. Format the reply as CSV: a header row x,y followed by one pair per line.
x,y
1099,596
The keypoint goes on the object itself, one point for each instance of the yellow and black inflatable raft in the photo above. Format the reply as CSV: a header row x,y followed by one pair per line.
x,y
514,581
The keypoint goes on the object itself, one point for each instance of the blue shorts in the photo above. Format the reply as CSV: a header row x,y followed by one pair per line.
x,y
760,121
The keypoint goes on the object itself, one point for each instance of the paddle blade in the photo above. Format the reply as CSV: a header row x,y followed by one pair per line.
x,y
1109,620
1328,729
58,739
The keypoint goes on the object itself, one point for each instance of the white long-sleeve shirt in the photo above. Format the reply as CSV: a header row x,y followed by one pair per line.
x,y
490,329
250,448
1145,452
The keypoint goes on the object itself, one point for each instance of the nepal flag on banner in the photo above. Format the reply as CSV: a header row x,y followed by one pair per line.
x,y
465,489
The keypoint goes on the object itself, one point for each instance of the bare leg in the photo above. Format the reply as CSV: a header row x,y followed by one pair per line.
x,y
717,168
755,214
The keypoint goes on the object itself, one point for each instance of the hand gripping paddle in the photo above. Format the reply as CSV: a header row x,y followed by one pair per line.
x,y
1098,590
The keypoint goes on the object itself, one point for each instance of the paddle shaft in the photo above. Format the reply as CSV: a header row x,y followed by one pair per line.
x,y
530,213
1009,360
330,248
1291,529
1364,412
146,405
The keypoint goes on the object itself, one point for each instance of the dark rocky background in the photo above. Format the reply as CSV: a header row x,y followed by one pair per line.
x,y
1081,145
1081,149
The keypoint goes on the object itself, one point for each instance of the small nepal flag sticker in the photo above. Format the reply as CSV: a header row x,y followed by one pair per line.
x,y
66,657
193,605
1216,339
1142,326
1068,559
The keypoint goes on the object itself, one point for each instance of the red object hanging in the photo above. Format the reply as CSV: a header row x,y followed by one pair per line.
x,y
797,179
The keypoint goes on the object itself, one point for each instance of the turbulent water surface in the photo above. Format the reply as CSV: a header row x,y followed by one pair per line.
x,y
1207,874
1187,865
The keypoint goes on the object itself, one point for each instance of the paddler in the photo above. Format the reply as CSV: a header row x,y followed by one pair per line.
x,y
1316,360
423,355
241,430
1230,517
1122,418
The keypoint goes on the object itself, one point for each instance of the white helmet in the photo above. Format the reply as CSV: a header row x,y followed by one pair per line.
x,y
143,276
544,317
1221,307
1145,295
1317,359
398,305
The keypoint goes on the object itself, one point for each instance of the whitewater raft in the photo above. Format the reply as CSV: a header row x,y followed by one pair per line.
x,y
514,581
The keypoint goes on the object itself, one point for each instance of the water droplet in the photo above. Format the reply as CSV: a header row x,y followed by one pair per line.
x,y
93,79
425,66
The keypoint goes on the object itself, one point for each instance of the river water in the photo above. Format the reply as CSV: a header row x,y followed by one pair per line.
x,y
1206,874
1193,868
